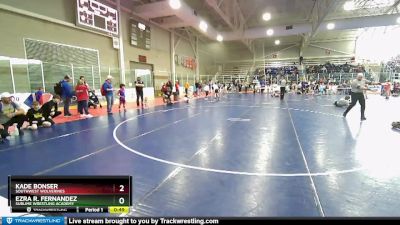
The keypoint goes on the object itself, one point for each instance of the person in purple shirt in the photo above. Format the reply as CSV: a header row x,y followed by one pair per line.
x,y
121,94
38,95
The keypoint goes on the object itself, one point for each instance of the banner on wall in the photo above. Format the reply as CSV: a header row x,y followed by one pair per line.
x,y
185,61
374,88
25,100
22,99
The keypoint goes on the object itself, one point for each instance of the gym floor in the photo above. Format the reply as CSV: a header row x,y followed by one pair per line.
x,y
245,155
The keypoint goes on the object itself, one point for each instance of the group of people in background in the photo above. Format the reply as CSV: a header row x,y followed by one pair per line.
x,y
83,94
199,89
41,114
108,90
81,91
169,89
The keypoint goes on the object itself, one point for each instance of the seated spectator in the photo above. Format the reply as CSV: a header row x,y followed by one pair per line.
x,y
35,97
343,102
36,118
10,113
38,95
50,109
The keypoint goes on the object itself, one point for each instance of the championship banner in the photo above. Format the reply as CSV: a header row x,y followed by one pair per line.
x,y
185,61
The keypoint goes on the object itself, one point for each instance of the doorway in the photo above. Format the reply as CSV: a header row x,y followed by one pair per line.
x,y
142,70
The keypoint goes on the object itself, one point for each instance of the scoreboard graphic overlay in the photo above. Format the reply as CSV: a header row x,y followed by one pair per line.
x,y
77,194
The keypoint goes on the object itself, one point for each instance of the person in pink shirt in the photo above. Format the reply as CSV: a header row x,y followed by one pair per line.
x,y
82,95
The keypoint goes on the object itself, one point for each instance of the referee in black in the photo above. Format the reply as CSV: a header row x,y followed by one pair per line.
x,y
283,87
357,94
139,85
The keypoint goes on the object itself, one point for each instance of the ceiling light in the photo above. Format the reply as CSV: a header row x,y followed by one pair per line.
x,y
203,26
175,4
277,42
141,26
270,32
349,5
220,38
330,26
266,16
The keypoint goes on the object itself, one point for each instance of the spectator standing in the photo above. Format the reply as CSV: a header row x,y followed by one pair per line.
x,y
109,93
388,87
139,85
121,94
186,88
82,95
67,94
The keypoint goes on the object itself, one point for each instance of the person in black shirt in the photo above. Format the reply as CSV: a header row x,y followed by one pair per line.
x,y
36,118
139,85
197,86
50,109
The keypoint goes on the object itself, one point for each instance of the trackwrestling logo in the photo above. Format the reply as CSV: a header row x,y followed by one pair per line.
x,y
33,220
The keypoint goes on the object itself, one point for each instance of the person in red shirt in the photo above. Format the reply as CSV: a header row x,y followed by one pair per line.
x,y
82,95
176,94
387,89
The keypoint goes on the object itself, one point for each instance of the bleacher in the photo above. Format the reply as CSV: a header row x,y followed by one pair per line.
x,y
235,71
335,69
393,65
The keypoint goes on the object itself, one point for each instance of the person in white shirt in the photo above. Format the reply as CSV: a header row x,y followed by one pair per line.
x,y
283,87
216,91
357,94
206,89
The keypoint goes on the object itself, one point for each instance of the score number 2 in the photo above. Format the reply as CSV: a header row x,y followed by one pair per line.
x,y
122,199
